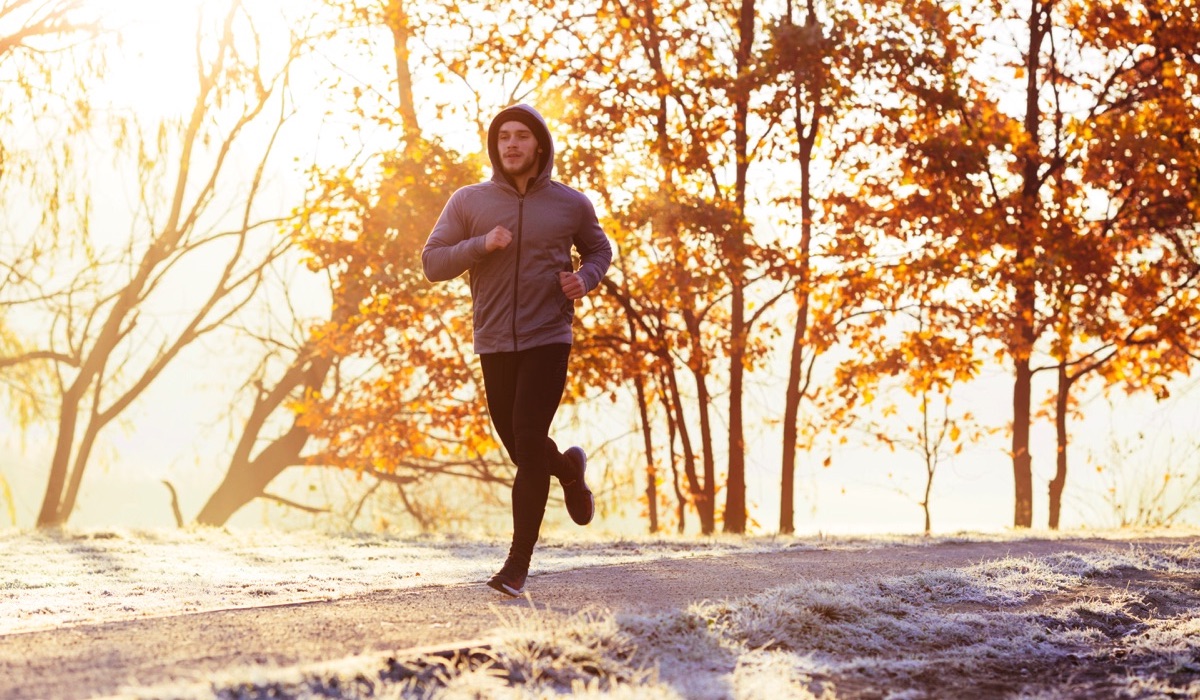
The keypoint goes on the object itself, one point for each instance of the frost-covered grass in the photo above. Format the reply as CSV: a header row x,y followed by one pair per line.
x,y
55,579
1063,626
1124,623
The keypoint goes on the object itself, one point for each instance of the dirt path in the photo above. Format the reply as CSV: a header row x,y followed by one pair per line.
x,y
102,660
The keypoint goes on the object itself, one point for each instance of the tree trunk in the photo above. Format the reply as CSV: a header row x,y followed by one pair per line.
x,y
703,493
735,486
1059,482
52,513
706,496
1024,282
68,417
81,458
793,393
639,386
791,414
397,20
1022,460
652,476
247,477
246,480
930,451
648,445
680,497
696,488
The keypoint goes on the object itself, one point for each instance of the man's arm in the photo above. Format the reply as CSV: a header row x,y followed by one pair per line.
x,y
450,251
595,251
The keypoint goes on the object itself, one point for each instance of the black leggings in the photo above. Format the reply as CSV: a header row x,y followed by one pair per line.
x,y
523,391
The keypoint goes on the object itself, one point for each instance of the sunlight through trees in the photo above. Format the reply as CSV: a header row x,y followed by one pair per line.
x,y
831,218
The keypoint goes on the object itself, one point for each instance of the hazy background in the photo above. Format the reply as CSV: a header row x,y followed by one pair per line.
x,y
182,429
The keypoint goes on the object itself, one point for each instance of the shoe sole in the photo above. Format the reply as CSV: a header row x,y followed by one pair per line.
x,y
592,505
591,512
505,588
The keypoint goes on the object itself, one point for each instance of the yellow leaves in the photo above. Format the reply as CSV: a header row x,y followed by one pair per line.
x,y
479,443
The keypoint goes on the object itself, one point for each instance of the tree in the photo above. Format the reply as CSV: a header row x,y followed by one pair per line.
x,y
927,369
995,196
119,355
672,118
816,60
1128,272
363,232
41,43
1146,471
39,39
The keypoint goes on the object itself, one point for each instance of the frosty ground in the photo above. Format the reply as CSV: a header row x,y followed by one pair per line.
x,y
207,613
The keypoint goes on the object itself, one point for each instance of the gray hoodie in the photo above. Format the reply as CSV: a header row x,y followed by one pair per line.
x,y
518,302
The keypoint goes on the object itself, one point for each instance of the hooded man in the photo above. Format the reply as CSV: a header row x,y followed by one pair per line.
x,y
514,234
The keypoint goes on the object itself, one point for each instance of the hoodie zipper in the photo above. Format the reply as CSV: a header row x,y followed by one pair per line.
x,y
517,272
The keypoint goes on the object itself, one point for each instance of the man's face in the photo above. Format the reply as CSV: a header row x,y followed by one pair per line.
x,y
518,149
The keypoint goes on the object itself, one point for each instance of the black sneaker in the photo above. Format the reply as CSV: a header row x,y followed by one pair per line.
x,y
510,579
580,504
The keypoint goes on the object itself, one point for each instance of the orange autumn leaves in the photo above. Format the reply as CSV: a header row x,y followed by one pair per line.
x,y
933,190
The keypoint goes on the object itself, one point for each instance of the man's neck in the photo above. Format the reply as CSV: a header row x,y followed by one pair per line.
x,y
521,182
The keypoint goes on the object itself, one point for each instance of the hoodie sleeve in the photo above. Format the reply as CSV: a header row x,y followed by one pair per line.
x,y
450,250
595,251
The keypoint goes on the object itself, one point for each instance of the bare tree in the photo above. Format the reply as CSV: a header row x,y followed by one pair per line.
x,y
37,39
122,348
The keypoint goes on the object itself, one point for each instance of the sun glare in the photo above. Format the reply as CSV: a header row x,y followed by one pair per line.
x,y
153,70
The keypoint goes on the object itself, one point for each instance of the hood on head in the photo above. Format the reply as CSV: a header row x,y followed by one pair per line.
x,y
529,117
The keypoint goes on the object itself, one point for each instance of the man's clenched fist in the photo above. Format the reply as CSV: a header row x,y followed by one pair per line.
x,y
572,285
497,239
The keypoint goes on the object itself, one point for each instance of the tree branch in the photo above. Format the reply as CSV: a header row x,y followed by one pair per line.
x,y
292,504
36,355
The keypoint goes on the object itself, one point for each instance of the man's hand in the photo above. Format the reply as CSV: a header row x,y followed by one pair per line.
x,y
572,285
497,239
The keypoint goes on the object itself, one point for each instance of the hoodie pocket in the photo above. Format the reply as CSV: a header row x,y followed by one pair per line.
x,y
566,306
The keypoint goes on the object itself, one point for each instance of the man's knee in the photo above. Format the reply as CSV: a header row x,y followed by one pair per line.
x,y
531,451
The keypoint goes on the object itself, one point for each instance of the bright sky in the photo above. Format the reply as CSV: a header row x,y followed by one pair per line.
x,y
156,72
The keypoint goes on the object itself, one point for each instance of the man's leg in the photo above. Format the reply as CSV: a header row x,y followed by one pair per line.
x,y
523,392
541,377
500,387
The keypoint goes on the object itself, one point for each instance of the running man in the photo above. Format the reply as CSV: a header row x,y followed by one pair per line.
x,y
514,234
